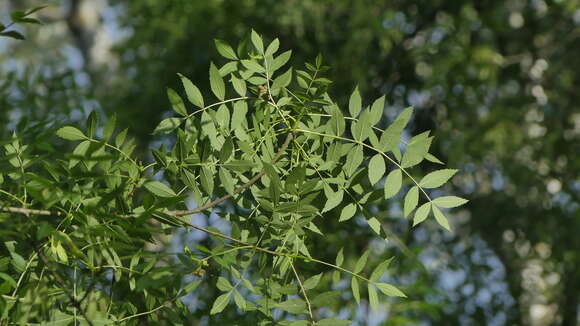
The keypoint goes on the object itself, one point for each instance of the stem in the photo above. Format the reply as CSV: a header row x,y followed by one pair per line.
x,y
239,189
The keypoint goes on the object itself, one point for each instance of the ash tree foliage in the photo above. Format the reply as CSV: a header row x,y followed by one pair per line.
x,y
270,152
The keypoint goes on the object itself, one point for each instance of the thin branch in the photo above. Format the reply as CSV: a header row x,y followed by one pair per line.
x,y
243,187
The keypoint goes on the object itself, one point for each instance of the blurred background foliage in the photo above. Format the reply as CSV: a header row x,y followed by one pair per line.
x,y
497,81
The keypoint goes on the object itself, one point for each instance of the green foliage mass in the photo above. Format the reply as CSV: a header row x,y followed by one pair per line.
x,y
269,152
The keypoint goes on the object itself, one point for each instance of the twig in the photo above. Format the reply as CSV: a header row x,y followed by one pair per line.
x,y
239,189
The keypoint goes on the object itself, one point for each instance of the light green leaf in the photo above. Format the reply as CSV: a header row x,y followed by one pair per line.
x,y
239,300
380,270
390,290
421,213
347,212
273,47
159,189
239,85
326,299
220,303
437,178
109,127
120,139
70,133
416,150
391,137
449,201
377,168
176,102
193,94
339,258
361,262
373,297
354,103
411,201
333,199
312,282
362,128
253,66
225,49
432,158
353,160
355,289
281,60
191,286
375,225
223,284
257,41
377,109
336,122
216,82
333,322
393,183
167,125
295,306
283,80
207,180
440,218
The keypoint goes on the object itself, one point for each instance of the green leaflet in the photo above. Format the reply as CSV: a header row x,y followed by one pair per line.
x,y
421,213
167,125
362,128
355,289
336,122
283,80
380,270
239,85
159,189
207,180
281,60
333,322
416,150
373,297
176,102
391,137
393,183
390,290
377,168
225,49
220,303
449,201
353,160
273,47
376,112
347,212
216,82
361,262
411,201
440,218
193,94
312,282
257,41
436,178
354,103
295,306
375,225
70,133
333,198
